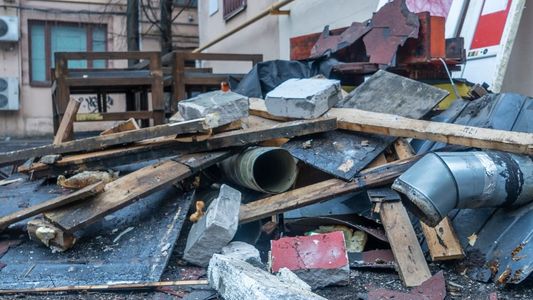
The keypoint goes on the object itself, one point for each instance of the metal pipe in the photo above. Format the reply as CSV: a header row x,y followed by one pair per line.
x,y
264,169
273,8
443,181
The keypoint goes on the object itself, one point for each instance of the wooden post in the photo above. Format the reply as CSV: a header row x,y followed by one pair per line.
x,y
65,131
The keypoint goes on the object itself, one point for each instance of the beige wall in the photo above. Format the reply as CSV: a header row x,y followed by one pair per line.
x,y
34,117
258,38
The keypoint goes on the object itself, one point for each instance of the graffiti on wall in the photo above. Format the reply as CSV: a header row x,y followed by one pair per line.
x,y
91,103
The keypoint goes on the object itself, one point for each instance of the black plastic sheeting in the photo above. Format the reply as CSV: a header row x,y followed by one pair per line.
x,y
266,76
496,240
141,254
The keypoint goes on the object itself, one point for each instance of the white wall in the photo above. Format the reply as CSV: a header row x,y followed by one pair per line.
x,y
310,16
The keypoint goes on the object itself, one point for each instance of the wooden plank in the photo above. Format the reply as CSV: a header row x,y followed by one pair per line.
x,y
324,190
130,188
127,125
64,132
169,146
378,161
25,213
106,287
392,125
442,240
412,266
113,116
100,142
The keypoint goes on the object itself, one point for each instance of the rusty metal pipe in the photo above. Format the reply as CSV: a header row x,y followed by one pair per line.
x,y
443,181
264,169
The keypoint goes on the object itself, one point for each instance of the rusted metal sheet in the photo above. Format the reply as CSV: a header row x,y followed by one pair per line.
x,y
392,25
430,43
331,44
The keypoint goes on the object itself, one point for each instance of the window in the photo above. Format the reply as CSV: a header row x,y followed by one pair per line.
x,y
233,7
46,38
186,3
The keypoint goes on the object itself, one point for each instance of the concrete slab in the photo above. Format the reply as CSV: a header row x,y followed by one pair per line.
x,y
220,107
215,229
235,279
307,98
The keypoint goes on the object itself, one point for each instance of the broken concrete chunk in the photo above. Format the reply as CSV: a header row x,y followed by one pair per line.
x,y
319,260
50,159
219,107
214,230
235,279
303,98
242,251
287,276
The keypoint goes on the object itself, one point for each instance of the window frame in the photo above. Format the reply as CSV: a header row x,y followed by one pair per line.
x,y
48,45
227,15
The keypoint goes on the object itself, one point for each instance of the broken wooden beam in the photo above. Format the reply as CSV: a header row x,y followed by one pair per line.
x,y
65,130
130,188
147,150
384,174
106,287
100,142
412,266
25,213
392,125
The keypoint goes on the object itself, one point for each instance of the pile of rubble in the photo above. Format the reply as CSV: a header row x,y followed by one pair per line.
x,y
284,187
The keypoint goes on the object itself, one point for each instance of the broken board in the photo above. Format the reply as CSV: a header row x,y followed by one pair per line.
x,y
345,154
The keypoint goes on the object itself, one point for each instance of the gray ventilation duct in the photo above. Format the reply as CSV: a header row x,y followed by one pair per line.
x,y
264,169
442,181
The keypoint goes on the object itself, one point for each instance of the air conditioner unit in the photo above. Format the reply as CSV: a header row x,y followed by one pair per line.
x,y
9,93
9,28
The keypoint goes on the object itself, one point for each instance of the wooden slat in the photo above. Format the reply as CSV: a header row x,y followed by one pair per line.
x,y
127,125
25,213
129,188
385,124
392,125
442,240
64,132
113,116
106,287
324,190
412,265
100,142
162,147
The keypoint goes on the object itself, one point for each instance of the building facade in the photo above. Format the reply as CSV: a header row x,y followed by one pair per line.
x,y
45,27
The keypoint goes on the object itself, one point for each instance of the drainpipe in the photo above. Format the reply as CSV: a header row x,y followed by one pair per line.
x,y
443,181
264,169
273,9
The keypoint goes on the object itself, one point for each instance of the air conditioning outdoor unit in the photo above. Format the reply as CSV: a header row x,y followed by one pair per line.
x,y
9,29
9,93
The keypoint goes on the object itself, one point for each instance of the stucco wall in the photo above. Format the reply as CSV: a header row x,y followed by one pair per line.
x,y
34,118
258,38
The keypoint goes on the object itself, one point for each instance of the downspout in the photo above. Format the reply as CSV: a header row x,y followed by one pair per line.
x,y
273,9
443,181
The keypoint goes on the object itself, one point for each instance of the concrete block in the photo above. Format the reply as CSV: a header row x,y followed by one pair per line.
x,y
220,107
319,260
215,229
287,276
235,279
242,251
303,98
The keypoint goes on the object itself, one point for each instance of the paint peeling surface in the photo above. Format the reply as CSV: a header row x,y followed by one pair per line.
x,y
109,251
